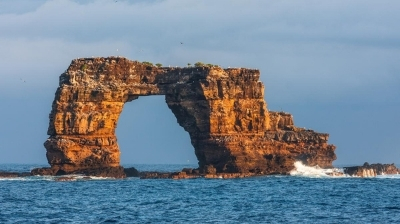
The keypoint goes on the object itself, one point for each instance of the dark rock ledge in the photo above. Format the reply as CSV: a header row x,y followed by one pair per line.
x,y
366,170
372,170
120,172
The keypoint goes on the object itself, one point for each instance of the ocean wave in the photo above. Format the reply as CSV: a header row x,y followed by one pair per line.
x,y
389,176
28,178
74,177
11,178
56,178
316,171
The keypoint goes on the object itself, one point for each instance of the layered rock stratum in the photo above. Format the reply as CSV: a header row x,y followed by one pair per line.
x,y
223,110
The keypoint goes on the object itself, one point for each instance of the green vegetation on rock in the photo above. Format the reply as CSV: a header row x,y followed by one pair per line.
x,y
83,67
147,63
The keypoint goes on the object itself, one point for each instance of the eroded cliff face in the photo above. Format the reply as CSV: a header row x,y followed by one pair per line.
x,y
223,110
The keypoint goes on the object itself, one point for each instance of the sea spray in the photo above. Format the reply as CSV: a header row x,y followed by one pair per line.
x,y
315,171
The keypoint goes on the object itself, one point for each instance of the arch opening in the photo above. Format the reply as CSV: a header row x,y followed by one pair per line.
x,y
148,133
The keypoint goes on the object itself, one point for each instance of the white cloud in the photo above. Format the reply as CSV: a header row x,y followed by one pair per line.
x,y
308,51
39,62
308,47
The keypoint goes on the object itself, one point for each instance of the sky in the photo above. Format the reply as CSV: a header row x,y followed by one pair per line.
x,y
333,64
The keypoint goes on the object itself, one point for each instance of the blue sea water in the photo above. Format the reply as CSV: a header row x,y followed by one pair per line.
x,y
306,197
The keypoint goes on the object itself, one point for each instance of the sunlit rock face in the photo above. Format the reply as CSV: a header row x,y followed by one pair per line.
x,y
371,170
223,110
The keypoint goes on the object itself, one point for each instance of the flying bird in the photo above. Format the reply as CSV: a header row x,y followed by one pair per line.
x,y
181,42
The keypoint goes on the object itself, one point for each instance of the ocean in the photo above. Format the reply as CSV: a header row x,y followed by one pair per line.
x,y
308,195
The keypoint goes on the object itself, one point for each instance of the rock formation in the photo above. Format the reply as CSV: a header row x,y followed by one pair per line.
x,y
8,174
372,170
223,110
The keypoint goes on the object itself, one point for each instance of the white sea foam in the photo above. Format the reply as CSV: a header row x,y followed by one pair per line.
x,y
95,178
74,177
55,178
27,178
11,178
315,171
389,176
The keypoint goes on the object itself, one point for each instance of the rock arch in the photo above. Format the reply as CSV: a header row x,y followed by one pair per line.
x,y
223,110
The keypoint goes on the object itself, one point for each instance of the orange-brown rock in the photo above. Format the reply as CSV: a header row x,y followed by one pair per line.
x,y
371,170
223,110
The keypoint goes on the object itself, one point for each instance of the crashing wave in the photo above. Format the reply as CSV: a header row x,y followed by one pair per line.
x,y
315,171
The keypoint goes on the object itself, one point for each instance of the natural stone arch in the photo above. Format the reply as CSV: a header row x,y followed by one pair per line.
x,y
223,110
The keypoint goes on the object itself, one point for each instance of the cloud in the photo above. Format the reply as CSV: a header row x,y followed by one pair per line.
x,y
341,21
19,6
304,48
310,53
39,62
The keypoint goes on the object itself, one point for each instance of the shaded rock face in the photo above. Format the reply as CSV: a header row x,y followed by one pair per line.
x,y
223,110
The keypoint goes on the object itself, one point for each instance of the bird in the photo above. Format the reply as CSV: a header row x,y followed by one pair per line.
x,y
22,80
181,42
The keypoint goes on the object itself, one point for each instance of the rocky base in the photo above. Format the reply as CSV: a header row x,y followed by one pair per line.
x,y
366,170
372,170
113,172
120,172
5,174
187,174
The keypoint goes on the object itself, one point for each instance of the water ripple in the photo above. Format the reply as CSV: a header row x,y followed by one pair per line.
x,y
274,199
